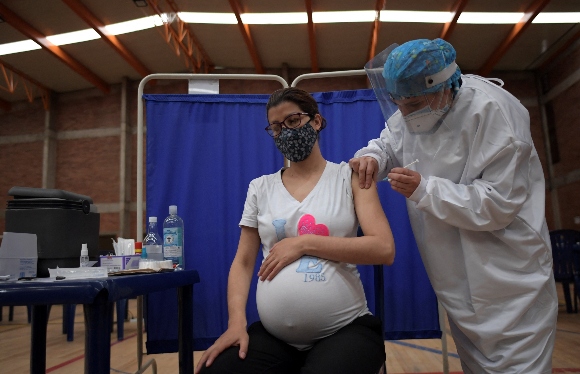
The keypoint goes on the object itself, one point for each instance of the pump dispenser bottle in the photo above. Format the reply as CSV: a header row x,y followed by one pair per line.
x,y
84,256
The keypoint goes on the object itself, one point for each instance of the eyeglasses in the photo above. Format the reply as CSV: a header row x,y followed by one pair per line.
x,y
290,122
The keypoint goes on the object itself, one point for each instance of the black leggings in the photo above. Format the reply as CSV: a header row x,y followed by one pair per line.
x,y
357,348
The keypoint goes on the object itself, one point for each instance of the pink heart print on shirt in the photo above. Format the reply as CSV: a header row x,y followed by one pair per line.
x,y
307,225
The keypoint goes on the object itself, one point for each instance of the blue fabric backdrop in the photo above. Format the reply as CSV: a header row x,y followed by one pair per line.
x,y
203,151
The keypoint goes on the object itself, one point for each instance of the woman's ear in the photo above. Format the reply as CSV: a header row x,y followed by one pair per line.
x,y
317,122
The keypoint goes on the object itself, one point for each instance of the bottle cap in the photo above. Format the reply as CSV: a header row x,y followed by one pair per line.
x,y
173,209
84,250
138,248
152,219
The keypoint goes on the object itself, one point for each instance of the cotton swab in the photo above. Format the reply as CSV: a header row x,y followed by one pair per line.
x,y
404,167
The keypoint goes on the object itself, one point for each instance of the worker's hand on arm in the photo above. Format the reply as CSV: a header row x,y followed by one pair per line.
x,y
235,335
404,181
282,254
367,169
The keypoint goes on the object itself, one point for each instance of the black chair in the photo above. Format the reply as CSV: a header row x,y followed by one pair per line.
x,y
566,255
68,319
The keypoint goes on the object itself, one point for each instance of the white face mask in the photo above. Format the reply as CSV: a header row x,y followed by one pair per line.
x,y
425,119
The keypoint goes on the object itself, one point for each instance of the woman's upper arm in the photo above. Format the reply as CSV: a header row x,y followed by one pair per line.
x,y
370,213
248,246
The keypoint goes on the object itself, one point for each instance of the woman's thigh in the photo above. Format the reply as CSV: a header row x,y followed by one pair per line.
x,y
356,348
266,355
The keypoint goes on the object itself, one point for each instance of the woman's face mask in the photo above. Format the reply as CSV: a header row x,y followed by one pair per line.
x,y
296,144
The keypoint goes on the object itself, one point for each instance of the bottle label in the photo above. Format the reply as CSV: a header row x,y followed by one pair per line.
x,y
172,242
153,248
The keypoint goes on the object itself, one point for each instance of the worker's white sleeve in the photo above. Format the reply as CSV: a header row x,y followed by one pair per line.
x,y
380,150
490,202
420,191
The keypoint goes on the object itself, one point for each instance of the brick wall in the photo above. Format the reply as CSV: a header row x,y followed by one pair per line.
x,y
87,125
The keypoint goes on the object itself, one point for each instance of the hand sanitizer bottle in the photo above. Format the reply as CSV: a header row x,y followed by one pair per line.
x,y
84,256
173,238
152,244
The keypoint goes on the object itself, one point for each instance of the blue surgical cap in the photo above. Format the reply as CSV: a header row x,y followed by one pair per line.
x,y
408,65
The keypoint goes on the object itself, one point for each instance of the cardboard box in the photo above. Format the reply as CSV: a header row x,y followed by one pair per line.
x,y
116,263
18,255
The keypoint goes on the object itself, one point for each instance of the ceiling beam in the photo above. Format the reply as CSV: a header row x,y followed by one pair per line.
x,y
311,38
207,62
560,50
19,24
182,39
42,89
450,26
518,29
379,5
86,15
245,30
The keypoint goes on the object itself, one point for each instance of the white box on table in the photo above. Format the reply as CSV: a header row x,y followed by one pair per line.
x,y
19,255
117,263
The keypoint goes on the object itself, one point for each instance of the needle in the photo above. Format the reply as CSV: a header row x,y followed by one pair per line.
x,y
404,167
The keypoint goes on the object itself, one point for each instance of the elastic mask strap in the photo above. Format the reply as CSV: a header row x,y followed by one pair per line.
x,y
442,76
440,95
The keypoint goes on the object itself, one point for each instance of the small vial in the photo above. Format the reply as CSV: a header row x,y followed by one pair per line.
x,y
84,256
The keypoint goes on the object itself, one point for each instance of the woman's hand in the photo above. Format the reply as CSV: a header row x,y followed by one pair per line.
x,y
234,336
283,253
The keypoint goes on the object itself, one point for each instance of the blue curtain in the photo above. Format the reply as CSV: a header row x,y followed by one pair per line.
x,y
202,152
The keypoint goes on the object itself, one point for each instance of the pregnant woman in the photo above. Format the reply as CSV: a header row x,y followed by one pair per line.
x,y
313,311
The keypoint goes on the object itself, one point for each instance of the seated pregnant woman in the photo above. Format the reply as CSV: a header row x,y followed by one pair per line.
x,y
313,310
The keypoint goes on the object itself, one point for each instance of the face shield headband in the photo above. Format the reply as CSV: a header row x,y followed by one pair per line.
x,y
418,85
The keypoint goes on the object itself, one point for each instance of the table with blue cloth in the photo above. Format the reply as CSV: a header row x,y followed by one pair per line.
x,y
97,296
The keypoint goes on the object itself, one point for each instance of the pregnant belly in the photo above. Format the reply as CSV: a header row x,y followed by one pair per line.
x,y
309,300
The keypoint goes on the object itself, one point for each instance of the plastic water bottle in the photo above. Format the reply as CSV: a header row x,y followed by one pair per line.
x,y
173,238
152,244
84,256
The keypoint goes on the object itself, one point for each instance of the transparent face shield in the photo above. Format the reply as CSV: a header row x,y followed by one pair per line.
x,y
424,114
374,70
411,134
410,88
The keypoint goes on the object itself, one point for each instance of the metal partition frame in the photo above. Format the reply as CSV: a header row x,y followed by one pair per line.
x,y
140,181
441,310
140,173
140,121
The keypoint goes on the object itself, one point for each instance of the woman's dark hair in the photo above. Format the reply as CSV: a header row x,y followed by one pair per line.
x,y
303,99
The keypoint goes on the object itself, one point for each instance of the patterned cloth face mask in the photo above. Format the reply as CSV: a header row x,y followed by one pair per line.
x,y
296,144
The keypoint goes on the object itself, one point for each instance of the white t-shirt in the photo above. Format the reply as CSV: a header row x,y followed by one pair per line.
x,y
311,298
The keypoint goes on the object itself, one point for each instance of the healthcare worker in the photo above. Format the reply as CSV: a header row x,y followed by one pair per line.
x,y
475,198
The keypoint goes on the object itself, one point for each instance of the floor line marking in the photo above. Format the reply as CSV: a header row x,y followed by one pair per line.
x,y
432,350
74,359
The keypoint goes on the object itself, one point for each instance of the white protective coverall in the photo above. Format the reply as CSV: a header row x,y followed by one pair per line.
x,y
478,219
